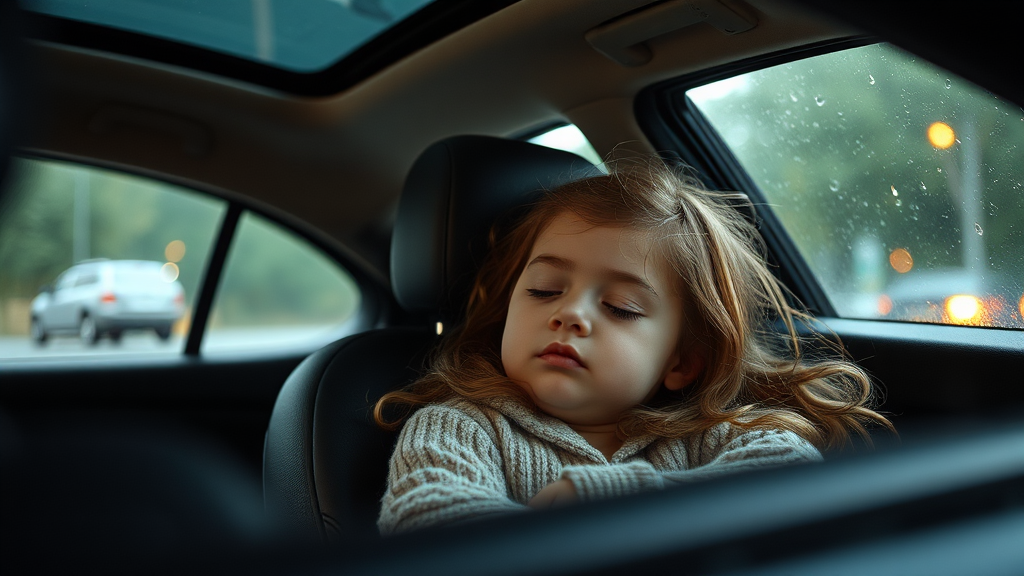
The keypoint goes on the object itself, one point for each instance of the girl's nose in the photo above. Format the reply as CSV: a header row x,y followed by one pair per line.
x,y
570,317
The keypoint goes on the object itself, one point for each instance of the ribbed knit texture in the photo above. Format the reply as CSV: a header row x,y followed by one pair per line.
x,y
461,460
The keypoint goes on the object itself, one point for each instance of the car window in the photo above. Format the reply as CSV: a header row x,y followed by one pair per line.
x,y
87,279
103,264
63,214
569,138
278,292
66,280
899,184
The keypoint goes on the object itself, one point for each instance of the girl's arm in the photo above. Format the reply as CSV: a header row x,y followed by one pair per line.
x,y
749,450
445,469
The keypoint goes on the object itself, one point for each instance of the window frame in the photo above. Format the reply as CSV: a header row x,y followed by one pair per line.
x,y
376,302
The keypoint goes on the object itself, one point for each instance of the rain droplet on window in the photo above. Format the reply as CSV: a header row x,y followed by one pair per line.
x,y
871,79
977,228
819,100
833,185
792,97
894,192
949,83
923,187
899,202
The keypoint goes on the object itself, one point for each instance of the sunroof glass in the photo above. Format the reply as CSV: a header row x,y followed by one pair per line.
x,y
298,35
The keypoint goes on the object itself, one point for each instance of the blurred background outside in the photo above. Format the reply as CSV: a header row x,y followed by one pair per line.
x,y
277,289
900,185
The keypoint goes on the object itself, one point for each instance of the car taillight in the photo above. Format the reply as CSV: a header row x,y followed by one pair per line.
x,y
108,298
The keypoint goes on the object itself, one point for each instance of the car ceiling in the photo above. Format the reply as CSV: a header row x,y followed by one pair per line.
x,y
338,162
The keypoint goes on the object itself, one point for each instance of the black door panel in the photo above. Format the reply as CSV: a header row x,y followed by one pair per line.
x,y
227,401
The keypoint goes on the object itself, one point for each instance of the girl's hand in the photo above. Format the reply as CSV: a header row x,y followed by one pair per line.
x,y
557,493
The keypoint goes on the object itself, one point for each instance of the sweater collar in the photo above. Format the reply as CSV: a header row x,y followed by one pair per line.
x,y
561,434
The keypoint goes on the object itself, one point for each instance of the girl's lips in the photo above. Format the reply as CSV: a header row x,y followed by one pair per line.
x,y
561,355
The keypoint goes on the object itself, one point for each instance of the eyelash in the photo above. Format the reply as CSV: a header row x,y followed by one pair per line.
x,y
619,313
623,314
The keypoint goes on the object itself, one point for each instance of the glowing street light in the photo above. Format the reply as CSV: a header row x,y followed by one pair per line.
x,y
941,135
964,309
901,260
962,169
175,251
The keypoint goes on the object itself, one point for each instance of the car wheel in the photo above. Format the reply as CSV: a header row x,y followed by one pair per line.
x,y
39,335
115,335
87,331
163,333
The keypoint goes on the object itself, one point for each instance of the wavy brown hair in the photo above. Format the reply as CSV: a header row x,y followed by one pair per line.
x,y
738,318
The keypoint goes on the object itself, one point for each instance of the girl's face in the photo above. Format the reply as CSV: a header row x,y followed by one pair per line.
x,y
593,324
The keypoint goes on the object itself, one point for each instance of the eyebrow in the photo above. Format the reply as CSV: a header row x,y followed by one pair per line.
x,y
617,275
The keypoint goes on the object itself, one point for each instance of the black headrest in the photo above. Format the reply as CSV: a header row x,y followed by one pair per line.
x,y
453,194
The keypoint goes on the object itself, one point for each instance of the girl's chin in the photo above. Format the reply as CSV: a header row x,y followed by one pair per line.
x,y
567,408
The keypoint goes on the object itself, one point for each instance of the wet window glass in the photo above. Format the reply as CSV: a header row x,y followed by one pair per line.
x,y
899,183
279,293
98,263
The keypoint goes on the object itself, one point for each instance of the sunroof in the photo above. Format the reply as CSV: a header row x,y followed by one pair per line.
x,y
297,35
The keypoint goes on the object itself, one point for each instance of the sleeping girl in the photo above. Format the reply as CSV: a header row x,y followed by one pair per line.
x,y
621,337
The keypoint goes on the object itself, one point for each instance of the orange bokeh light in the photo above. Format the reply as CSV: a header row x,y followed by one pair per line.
x,y
941,135
964,309
175,251
901,260
884,305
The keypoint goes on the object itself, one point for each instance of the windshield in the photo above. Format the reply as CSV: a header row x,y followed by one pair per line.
x,y
298,35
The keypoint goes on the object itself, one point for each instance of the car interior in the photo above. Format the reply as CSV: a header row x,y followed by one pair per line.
x,y
390,160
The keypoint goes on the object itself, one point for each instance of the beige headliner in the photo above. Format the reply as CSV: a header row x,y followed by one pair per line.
x,y
338,163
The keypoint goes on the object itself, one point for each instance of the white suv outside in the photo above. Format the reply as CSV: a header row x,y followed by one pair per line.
x,y
107,297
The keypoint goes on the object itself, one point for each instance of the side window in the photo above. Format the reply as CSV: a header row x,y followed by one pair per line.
x,y
570,139
278,292
136,293
66,280
87,279
899,184
98,263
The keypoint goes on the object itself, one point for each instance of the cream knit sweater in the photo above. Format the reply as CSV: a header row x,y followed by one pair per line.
x,y
461,460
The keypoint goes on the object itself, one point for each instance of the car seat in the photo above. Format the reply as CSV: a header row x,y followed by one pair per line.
x,y
325,462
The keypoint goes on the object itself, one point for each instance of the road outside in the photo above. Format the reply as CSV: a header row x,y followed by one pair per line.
x,y
234,340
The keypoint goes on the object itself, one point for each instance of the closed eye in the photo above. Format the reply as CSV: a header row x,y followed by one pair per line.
x,y
622,313
534,293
